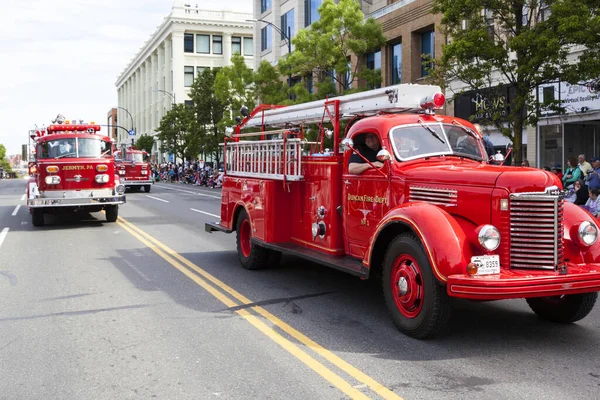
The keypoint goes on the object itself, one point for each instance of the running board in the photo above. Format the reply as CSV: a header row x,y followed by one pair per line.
x,y
215,226
342,263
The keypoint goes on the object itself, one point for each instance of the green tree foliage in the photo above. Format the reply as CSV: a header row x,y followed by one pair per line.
x,y
270,89
4,165
324,49
209,111
234,87
144,142
178,132
523,43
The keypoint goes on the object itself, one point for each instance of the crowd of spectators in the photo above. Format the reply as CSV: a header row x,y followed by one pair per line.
x,y
581,181
189,173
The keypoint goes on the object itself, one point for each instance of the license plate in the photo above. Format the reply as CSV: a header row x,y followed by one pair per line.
x,y
487,265
144,172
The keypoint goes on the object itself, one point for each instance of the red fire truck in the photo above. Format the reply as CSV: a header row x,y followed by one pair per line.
x,y
74,170
134,169
431,217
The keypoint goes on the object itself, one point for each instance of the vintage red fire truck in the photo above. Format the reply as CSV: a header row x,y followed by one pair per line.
x,y
134,169
74,170
431,217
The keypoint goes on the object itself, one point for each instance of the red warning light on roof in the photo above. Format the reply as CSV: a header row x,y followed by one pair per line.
x,y
436,101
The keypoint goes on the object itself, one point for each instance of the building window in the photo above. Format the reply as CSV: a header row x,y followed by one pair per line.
x,y
311,11
309,82
236,45
265,5
217,44
396,63
374,63
189,103
427,51
188,42
203,44
188,76
266,35
287,25
200,70
248,46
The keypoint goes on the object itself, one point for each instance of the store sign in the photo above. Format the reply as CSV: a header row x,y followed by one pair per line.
x,y
573,98
486,105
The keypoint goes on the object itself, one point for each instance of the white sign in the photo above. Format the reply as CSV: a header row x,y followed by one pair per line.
x,y
573,98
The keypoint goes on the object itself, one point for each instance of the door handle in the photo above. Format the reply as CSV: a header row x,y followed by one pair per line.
x,y
347,182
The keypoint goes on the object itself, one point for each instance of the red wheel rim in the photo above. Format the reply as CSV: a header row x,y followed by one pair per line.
x,y
407,286
245,238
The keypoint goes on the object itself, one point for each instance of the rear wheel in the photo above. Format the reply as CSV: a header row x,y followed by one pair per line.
x,y
251,256
418,304
112,213
147,188
37,217
564,309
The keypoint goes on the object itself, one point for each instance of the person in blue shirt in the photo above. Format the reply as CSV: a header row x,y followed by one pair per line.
x,y
593,176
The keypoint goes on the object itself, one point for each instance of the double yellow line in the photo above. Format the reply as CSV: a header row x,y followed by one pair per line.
x,y
226,295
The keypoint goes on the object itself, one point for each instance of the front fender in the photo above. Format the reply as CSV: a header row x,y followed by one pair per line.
x,y
574,251
444,241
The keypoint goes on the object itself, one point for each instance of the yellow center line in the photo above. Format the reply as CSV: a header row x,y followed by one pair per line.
x,y
377,387
292,348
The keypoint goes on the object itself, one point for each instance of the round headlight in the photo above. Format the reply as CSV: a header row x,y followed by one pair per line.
x,y
120,188
489,237
588,233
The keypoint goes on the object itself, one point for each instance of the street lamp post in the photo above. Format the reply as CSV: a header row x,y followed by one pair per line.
x,y
169,93
288,41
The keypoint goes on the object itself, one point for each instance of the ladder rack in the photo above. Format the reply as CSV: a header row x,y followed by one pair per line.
x,y
265,159
398,98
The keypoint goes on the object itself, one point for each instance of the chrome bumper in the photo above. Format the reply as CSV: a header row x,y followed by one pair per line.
x,y
41,202
137,182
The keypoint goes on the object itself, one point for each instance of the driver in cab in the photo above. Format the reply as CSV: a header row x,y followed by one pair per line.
x,y
369,150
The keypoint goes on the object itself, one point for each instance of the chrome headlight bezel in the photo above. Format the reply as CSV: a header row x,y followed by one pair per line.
x,y
489,237
120,189
587,230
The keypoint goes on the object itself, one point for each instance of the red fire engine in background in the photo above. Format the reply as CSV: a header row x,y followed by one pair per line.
x,y
435,221
74,170
134,169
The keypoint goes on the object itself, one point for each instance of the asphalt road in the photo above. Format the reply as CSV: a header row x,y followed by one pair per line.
x,y
154,307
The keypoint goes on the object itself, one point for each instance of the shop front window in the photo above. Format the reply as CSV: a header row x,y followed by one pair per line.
x,y
551,146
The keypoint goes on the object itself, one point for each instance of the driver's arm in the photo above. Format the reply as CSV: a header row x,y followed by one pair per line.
x,y
358,168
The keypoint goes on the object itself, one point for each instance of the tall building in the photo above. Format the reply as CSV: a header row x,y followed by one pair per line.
x,y
408,25
189,40
111,119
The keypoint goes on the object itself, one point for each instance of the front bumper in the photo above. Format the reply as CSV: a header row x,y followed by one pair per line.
x,y
43,202
513,284
137,182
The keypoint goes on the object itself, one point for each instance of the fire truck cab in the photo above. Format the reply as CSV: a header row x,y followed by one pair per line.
x,y
134,169
74,170
429,215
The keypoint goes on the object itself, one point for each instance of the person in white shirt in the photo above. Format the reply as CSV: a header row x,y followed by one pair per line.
x,y
584,166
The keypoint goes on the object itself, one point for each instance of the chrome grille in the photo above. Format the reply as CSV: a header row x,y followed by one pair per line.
x,y
439,196
536,230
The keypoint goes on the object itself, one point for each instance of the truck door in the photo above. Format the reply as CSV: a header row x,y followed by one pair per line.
x,y
366,199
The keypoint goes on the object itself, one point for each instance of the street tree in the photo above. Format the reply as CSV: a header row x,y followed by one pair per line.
x,y
178,131
270,89
234,87
208,111
520,43
4,164
144,142
325,48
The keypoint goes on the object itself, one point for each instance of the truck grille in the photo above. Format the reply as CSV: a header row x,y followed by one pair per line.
x,y
536,230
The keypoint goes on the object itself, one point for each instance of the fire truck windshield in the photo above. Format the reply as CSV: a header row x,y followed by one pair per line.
x,y
415,141
74,148
136,157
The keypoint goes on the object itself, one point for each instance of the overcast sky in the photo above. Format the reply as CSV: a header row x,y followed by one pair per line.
x,y
64,56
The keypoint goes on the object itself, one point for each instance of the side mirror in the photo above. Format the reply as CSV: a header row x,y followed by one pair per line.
x,y
347,143
383,155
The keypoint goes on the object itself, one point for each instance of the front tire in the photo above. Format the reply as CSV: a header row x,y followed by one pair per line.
x,y
147,188
416,301
37,217
563,309
112,213
251,256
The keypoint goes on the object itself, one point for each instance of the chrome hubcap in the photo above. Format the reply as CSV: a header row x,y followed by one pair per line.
x,y
402,286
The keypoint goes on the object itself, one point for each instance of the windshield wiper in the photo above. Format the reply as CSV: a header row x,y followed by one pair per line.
x,y
64,155
433,132
468,130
